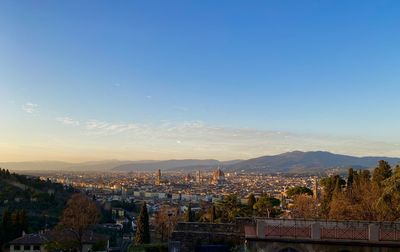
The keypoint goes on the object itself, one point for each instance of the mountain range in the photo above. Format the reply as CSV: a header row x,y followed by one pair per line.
x,y
307,162
290,162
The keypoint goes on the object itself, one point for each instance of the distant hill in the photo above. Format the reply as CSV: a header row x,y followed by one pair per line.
x,y
62,166
38,198
290,162
171,165
304,162
116,165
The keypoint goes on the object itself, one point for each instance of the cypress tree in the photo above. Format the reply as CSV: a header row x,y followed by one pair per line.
x,y
338,187
350,178
142,235
251,201
213,214
189,214
7,225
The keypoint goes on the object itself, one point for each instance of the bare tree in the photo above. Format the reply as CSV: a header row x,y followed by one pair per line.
x,y
78,217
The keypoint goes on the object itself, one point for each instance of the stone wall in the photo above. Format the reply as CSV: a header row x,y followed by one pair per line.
x,y
277,235
307,246
189,235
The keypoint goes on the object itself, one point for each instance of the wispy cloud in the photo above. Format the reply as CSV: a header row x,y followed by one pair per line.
x,y
68,121
107,128
198,139
30,108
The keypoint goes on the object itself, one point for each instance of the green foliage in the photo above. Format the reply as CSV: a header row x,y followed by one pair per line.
x,y
4,173
265,206
32,195
297,190
382,172
329,185
230,208
376,199
13,224
142,235
350,178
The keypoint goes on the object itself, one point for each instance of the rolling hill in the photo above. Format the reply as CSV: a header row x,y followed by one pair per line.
x,y
301,162
171,165
290,162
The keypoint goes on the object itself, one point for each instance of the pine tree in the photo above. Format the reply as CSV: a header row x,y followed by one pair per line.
x,y
382,172
142,235
23,221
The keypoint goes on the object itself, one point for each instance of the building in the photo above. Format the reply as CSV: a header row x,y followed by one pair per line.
x,y
117,213
218,177
29,242
188,178
315,188
158,178
39,242
199,179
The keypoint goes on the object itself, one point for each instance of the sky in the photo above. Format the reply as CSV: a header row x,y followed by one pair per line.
x,y
139,80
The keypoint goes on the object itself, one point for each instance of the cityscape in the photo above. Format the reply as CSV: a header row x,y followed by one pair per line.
x,y
199,126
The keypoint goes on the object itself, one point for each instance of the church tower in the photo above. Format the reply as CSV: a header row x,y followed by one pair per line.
x,y
198,177
315,188
158,178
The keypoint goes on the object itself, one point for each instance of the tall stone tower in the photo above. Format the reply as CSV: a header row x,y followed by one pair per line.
x,y
158,177
198,177
315,188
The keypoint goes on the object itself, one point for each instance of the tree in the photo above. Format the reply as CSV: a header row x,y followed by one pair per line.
x,y
213,214
265,206
382,172
251,201
297,190
350,178
359,203
230,208
389,202
160,225
19,223
78,217
6,228
142,235
329,185
304,206
189,214
164,222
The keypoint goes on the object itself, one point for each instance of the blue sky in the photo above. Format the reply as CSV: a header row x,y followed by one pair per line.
x,y
84,80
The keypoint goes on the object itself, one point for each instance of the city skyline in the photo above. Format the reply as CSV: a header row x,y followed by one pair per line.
x,y
93,80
